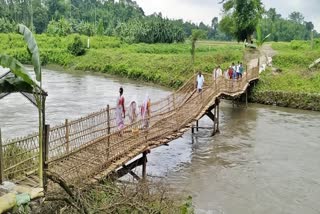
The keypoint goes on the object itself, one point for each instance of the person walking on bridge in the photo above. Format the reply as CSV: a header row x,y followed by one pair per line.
x,y
120,110
240,70
217,72
146,112
200,81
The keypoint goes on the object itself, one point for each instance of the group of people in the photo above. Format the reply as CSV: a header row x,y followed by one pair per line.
x,y
233,72
145,111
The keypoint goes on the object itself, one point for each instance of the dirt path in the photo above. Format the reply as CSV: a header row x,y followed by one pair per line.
x,y
252,56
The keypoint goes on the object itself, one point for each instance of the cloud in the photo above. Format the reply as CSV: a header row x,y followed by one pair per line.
x,y
205,10
196,11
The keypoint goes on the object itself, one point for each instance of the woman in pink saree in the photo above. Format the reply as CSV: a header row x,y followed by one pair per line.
x,y
120,110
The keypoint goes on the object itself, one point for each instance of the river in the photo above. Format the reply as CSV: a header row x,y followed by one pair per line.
x,y
265,160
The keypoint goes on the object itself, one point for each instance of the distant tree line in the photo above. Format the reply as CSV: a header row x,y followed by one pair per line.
x,y
125,19
292,28
241,18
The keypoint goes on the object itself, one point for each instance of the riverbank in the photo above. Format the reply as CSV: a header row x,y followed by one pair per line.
x,y
289,83
164,64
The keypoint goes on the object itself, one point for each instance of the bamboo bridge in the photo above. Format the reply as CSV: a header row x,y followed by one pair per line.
x,y
90,148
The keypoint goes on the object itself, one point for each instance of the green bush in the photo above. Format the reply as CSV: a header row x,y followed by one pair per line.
x,y
7,26
61,27
77,48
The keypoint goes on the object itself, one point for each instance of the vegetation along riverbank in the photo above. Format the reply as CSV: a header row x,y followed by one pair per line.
x,y
289,83
164,64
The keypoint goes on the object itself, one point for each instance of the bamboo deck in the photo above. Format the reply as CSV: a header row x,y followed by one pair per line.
x,y
89,148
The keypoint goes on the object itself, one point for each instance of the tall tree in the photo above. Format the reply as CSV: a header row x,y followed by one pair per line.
x,y
214,23
296,17
310,26
243,16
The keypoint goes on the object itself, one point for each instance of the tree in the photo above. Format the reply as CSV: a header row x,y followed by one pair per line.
x,y
296,17
100,29
310,26
40,19
214,23
242,16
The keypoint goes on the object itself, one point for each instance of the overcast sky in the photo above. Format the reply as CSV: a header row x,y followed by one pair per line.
x,y
205,10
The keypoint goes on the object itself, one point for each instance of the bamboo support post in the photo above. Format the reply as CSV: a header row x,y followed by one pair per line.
x,y
67,136
144,166
217,118
214,121
43,142
108,124
197,125
1,160
45,156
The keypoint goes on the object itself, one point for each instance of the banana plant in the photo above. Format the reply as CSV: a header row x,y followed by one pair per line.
x,y
20,81
260,41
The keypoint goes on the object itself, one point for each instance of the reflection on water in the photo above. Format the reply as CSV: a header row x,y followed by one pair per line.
x,y
265,160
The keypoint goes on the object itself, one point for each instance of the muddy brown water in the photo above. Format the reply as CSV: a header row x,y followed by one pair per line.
x,y
265,160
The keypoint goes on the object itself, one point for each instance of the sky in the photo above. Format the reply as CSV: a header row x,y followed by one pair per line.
x,y
204,10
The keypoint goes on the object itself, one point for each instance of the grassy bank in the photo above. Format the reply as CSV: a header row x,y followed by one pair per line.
x,y
169,64
294,85
163,64
109,197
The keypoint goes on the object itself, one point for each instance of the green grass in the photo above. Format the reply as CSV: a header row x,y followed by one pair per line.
x,y
293,59
165,64
169,64
295,86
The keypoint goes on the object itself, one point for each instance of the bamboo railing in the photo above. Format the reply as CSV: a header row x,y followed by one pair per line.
x,y
93,141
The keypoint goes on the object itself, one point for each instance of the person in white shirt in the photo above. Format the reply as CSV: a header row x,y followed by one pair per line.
x,y
238,70
217,72
200,81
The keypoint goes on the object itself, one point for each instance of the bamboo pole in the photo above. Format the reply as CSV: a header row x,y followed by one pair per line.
x,y
67,136
214,121
42,112
45,156
217,118
144,166
108,124
1,160
197,125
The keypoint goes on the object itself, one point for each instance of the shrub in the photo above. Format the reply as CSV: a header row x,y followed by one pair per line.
x,y
61,28
77,47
